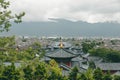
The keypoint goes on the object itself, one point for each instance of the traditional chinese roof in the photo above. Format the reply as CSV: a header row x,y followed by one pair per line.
x,y
61,53
77,58
108,66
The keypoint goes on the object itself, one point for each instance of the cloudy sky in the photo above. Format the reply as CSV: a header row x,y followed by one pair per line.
x,y
92,11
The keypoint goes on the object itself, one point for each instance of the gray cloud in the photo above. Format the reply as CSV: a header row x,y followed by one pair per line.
x,y
92,11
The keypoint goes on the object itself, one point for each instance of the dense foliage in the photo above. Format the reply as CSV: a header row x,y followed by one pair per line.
x,y
9,52
39,70
6,16
88,45
108,55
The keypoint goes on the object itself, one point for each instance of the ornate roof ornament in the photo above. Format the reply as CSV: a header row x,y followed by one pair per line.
x,y
61,45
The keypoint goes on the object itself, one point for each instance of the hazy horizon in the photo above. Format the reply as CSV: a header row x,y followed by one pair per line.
x,y
65,28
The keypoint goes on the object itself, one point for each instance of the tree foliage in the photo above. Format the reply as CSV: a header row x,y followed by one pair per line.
x,y
9,51
39,70
107,76
108,55
74,74
10,73
6,16
116,77
55,71
98,74
7,42
87,46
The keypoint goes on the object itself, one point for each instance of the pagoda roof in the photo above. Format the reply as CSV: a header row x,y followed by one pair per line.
x,y
61,53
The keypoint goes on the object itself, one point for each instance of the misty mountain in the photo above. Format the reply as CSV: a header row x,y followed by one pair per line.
x,y
64,28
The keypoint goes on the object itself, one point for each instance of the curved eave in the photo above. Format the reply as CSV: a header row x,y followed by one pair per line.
x,y
59,47
57,57
62,53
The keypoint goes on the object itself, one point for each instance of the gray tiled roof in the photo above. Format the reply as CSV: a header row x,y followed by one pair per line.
x,y
94,59
61,53
77,58
108,66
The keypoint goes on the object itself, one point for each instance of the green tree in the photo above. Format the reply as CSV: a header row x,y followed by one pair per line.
x,y
41,72
7,42
11,73
6,16
108,55
28,72
87,46
55,71
113,56
82,77
89,74
107,76
98,75
74,74
36,48
116,77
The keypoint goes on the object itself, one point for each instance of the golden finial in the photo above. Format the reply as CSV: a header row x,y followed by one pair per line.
x,y
61,45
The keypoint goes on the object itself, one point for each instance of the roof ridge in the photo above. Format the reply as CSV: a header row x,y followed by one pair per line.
x,y
69,51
